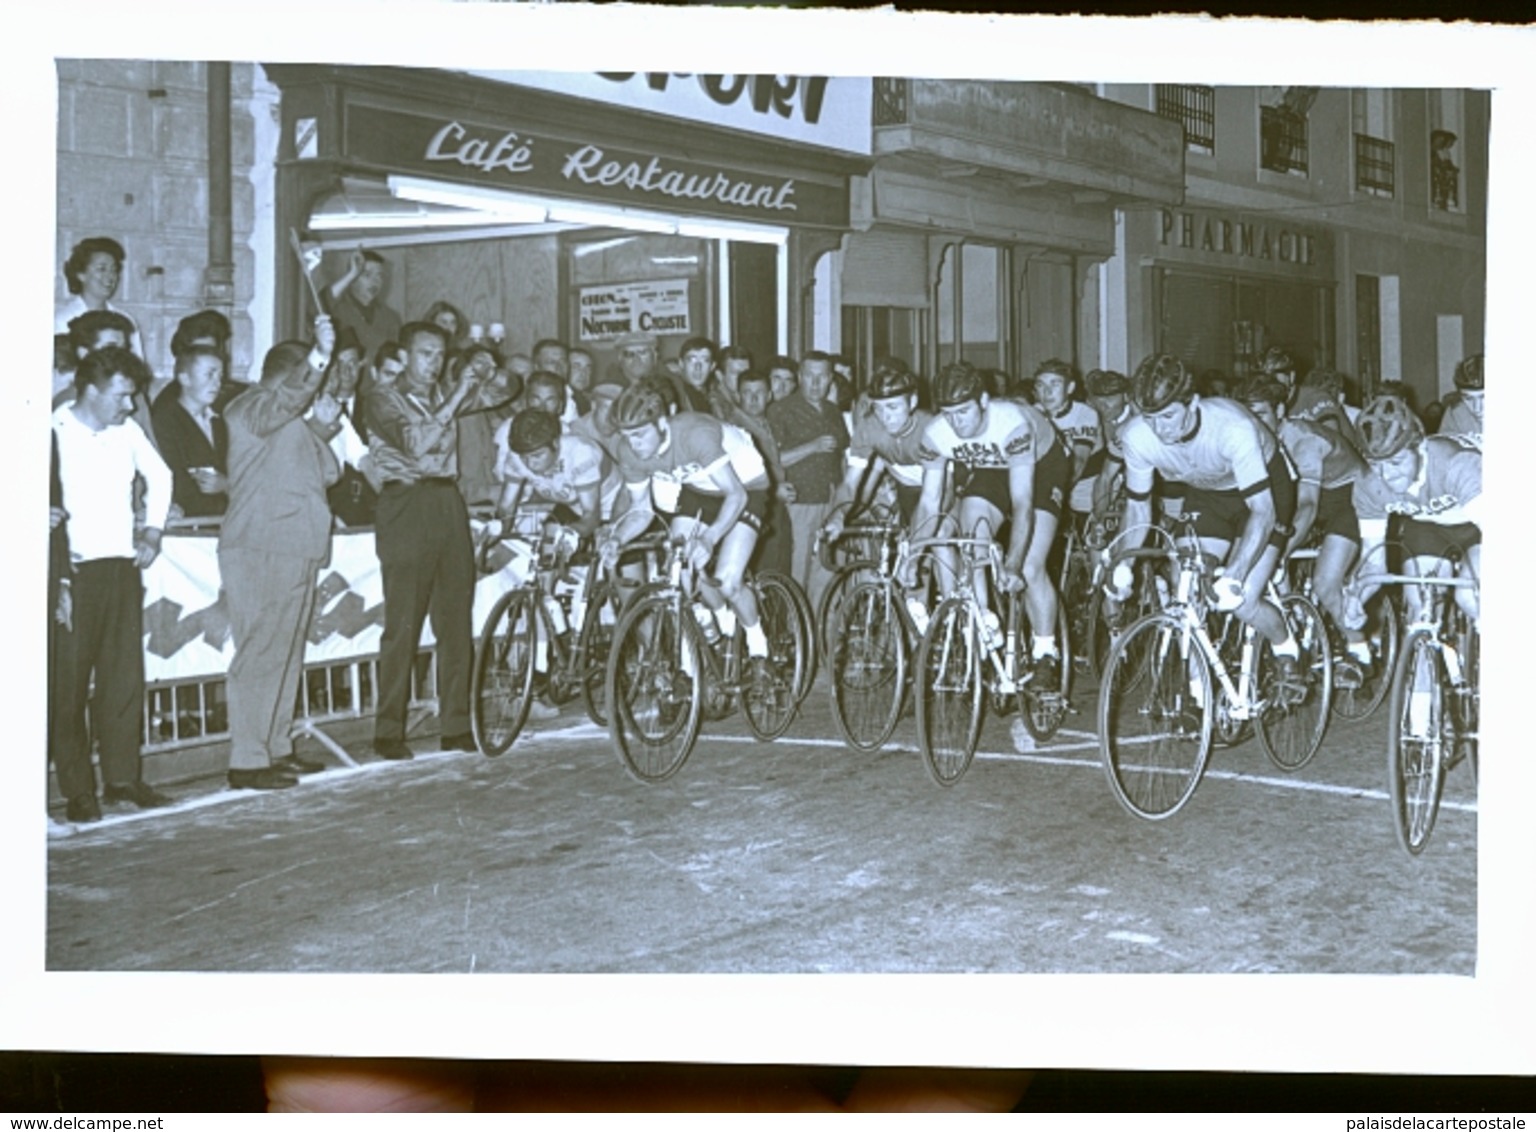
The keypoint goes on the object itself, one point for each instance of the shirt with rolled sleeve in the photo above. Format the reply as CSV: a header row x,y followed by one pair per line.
x,y
97,470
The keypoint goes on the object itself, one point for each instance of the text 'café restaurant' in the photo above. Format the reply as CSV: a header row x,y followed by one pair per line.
x,y
576,206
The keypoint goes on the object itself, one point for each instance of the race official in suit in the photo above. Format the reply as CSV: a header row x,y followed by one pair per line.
x,y
275,538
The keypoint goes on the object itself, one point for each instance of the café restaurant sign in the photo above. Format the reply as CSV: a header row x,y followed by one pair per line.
x,y
1269,243
508,156
810,109
614,309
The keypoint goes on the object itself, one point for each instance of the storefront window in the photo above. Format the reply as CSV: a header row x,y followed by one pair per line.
x,y
624,283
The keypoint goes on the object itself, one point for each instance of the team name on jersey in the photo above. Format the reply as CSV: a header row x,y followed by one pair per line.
x,y
987,454
1435,506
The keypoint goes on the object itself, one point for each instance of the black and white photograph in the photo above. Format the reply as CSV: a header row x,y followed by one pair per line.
x,y
906,531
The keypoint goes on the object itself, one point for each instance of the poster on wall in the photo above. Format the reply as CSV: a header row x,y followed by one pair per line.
x,y
612,310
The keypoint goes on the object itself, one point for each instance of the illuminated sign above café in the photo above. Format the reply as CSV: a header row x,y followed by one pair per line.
x,y
833,113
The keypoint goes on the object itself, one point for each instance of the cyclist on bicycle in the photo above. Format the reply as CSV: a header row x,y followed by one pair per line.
x,y
1435,483
887,438
1109,394
1081,429
1009,463
706,480
1327,466
548,465
1235,480
1464,408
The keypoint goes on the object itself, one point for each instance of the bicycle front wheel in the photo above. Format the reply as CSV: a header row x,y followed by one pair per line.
x,y
1416,739
654,672
592,647
501,684
1156,709
1293,722
1383,632
770,698
791,633
868,665
949,691
847,579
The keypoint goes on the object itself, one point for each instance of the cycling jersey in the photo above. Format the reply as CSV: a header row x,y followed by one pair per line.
x,y
1012,434
1320,453
1080,426
695,448
578,467
902,454
1227,450
1448,485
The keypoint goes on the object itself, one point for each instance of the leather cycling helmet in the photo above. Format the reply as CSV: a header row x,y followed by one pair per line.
x,y
891,380
1469,373
1160,380
958,383
533,429
1386,426
641,404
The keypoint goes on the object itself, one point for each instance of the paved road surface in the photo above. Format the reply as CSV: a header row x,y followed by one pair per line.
x,y
795,856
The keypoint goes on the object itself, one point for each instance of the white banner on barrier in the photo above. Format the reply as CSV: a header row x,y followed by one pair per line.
x,y
186,625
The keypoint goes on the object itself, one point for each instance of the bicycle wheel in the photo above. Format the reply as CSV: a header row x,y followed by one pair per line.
x,y
1383,631
799,632
501,684
770,703
868,665
1291,727
1415,739
653,670
1156,711
1465,695
949,691
843,583
593,644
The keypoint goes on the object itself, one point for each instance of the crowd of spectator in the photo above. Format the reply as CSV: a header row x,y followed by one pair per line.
x,y
404,427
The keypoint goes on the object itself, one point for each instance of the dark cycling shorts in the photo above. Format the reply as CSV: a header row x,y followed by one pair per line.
x,y
691,502
1436,540
1336,513
1223,514
1053,472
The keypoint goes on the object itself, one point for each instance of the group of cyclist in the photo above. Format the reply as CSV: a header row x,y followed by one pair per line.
x,y
1276,465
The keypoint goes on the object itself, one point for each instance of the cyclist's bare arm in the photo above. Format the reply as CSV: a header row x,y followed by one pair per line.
x,y
588,509
511,495
1308,493
725,480
628,526
1256,531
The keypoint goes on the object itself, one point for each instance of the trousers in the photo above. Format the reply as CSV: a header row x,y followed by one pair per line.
x,y
428,565
108,642
270,599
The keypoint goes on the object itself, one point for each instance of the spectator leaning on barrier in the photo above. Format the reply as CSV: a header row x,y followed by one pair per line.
x,y
275,538
421,531
100,452
193,439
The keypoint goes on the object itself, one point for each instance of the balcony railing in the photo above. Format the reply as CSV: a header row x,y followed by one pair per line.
x,y
1193,107
1282,140
1375,165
